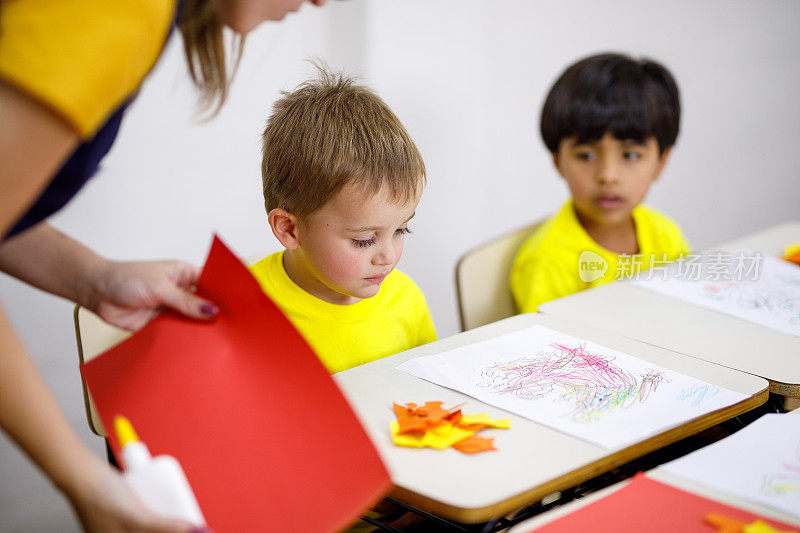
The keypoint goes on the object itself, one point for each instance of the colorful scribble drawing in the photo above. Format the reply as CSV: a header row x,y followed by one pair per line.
x,y
697,393
785,482
769,296
590,382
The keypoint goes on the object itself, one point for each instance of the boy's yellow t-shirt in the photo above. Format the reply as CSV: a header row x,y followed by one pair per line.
x,y
344,336
548,263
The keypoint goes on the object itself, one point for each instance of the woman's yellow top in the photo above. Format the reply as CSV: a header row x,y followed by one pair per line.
x,y
81,58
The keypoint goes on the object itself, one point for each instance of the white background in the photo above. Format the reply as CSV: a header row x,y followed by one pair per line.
x,y
467,78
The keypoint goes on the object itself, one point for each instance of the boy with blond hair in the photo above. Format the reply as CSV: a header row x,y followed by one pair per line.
x,y
342,179
610,122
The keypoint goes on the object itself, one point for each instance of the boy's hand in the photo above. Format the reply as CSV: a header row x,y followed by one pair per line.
x,y
130,294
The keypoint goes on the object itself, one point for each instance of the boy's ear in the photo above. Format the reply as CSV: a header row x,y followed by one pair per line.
x,y
284,227
555,163
662,162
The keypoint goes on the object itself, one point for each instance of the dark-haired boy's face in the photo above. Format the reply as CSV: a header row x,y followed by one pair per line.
x,y
608,177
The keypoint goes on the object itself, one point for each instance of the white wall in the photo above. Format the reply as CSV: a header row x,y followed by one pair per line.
x,y
468,79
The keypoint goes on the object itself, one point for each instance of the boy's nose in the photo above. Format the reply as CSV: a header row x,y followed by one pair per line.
x,y
607,171
384,255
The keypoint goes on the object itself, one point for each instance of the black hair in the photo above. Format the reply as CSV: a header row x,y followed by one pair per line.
x,y
632,99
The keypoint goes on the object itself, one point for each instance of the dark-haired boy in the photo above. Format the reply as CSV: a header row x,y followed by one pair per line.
x,y
610,122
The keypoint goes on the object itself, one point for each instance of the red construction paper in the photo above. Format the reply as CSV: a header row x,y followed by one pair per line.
x,y
264,435
645,505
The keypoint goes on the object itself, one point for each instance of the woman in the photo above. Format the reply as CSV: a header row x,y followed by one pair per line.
x,y
68,71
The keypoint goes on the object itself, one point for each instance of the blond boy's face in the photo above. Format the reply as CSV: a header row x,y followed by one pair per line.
x,y
608,177
348,247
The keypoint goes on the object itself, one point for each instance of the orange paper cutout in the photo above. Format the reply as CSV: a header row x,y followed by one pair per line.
x,y
413,419
474,444
725,524
454,417
431,425
472,427
792,254
408,421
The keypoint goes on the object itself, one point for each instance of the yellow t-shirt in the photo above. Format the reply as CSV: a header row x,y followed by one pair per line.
x,y
344,336
550,264
81,58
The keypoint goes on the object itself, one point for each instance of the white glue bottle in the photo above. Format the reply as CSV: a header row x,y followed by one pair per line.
x,y
158,482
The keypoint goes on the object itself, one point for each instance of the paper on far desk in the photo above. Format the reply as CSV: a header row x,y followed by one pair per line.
x,y
760,463
744,284
646,505
264,435
581,388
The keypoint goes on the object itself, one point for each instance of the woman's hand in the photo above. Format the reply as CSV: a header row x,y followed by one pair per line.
x,y
125,294
105,503
32,418
130,294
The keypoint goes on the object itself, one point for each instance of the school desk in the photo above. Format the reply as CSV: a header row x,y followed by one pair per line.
x,y
638,313
761,511
532,460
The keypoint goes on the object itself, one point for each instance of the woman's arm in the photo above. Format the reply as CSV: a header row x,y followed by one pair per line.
x,y
31,417
125,294
34,142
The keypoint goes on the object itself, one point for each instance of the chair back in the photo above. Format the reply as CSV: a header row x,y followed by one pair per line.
x,y
482,275
94,337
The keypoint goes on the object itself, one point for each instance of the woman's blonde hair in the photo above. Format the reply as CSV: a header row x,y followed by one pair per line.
x,y
330,132
204,48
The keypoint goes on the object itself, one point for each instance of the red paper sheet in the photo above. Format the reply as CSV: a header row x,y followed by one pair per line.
x,y
264,435
647,506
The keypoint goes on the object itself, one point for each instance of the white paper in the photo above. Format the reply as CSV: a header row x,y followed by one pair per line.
x,y
581,388
760,463
744,284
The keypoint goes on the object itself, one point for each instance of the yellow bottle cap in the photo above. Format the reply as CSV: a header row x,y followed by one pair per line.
x,y
124,431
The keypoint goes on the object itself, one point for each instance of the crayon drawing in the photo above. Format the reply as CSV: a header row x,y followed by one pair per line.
x,y
769,297
787,481
759,463
584,389
590,382
697,393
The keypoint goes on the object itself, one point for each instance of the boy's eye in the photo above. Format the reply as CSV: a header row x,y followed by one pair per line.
x,y
364,244
402,231
632,156
585,156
